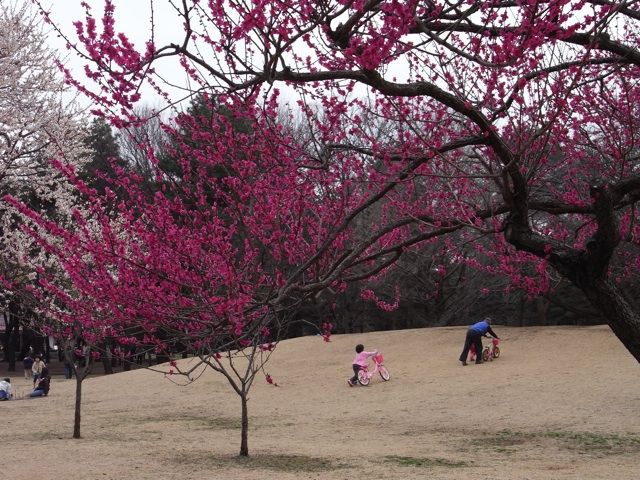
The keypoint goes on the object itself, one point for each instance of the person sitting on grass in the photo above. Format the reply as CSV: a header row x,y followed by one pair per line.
x,y
5,389
42,384
360,361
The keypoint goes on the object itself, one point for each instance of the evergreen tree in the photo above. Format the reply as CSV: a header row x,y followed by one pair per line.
x,y
103,153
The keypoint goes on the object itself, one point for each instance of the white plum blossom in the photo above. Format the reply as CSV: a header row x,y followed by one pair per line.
x,y
39,122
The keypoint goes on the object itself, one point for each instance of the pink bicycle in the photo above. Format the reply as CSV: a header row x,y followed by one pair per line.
x,y
364,374
491,351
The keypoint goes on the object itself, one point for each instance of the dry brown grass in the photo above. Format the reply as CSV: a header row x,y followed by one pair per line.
x,y
560,403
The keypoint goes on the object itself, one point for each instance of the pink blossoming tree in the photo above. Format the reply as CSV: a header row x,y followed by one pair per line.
x,y
200,258
514,121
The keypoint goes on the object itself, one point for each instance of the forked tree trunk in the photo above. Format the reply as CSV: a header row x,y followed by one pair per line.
x,y
587,269
244,433
76,418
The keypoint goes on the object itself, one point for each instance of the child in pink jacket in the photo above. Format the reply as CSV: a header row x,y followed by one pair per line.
x,y
360,361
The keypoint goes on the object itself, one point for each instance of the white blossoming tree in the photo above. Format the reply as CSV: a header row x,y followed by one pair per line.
x,y
39,122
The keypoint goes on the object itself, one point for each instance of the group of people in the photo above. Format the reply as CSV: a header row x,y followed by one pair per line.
x,y
36,370
40,387
473,337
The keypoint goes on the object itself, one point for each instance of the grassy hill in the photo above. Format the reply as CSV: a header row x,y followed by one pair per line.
x,y
560,403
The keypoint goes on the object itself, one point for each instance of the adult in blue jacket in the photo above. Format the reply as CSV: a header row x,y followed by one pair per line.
x,y
474,336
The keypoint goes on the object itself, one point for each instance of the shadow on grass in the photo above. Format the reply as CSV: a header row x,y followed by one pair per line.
x,y
198,421
506,441
588,441
423,462
278,463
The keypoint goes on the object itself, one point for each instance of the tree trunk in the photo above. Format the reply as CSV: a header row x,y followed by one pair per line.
x,y
106,364
76,418
9,341
244,434
542,306
620,317
587,269
47,350
11,356
106,360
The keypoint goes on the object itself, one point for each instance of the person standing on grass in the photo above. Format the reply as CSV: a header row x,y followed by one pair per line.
x,y
36,369
27,364
474,337
68,369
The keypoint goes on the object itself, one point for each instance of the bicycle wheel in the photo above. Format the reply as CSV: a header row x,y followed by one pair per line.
x,y
496,352
384,373
363,378
485,354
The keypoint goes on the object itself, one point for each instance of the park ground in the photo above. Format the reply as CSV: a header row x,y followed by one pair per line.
x,y
560,403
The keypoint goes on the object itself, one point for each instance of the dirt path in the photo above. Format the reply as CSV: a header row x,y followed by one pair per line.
x,y
560,403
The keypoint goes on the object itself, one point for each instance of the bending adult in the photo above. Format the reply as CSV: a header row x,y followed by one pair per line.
x,y
474,337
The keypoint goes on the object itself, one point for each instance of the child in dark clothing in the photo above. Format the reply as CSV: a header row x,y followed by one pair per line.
x,y
27,364
42,384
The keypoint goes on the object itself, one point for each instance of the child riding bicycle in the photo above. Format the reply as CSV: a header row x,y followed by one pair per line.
x,y
359,362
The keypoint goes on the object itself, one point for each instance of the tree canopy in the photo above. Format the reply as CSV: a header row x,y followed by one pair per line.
x,y
509,126
510,119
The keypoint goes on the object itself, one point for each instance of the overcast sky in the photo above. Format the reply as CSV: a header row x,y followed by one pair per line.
x,y
133,17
